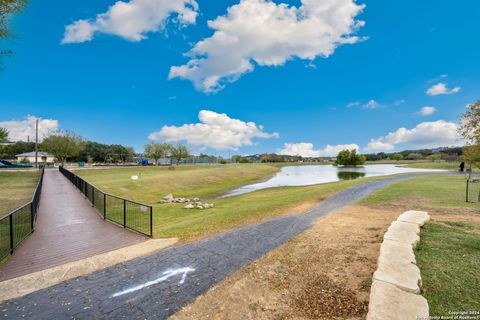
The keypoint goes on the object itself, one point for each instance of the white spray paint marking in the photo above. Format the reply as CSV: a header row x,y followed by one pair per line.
x,y
167,274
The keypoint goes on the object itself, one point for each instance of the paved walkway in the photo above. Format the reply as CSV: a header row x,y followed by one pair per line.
x,y
67,229
156,286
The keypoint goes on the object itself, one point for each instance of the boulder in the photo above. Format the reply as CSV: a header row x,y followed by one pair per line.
x,y
168,198
200,207
387,302
417,217
189,206
404,232
196,199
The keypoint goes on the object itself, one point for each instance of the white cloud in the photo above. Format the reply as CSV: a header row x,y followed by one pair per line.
x,y
215,130
132,20
21,130
441,88
261,32
306,149
377,145
354,104
427,111
372,104
425,135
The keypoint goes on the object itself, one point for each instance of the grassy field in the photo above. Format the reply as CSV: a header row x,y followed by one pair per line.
x,y
449,256
454,166
17,189
425,192
207,182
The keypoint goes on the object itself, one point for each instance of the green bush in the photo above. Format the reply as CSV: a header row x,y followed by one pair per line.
x,y
350,158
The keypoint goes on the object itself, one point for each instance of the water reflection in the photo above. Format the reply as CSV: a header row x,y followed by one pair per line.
x,y
350,175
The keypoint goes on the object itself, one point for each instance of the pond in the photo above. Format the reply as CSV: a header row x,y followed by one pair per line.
x,y
309,175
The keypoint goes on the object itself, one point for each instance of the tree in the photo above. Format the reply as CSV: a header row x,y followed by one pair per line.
x,y
63,145
349,158
236,158
98,152
157,150
397,157
469,127
434,157
9,151
414,156
3,135
471,155
179,152
7,9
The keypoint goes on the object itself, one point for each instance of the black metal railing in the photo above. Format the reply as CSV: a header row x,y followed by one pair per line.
x,y
16,226
127,213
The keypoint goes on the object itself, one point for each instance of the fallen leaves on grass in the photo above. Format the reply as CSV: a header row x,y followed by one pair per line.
x,y
321,297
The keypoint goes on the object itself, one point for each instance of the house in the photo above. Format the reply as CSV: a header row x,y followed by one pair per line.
x,y
43,157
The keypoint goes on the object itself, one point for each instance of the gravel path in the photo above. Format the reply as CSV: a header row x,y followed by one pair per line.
x,y
156,286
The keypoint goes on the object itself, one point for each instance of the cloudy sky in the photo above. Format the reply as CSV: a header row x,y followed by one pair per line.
x,y
307,77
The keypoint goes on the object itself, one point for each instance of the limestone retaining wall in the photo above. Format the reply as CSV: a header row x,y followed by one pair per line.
x,y
395,292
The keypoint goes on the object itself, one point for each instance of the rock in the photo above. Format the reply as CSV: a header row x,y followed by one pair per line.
x,y
196,199
200,207
417,217
168,197
163,201
189,206
404,232
397,268
387,302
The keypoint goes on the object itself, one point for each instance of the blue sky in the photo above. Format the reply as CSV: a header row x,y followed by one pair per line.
x,y
115,88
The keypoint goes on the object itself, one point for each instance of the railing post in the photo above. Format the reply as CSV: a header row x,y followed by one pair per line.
x,y
11,233
151,222
32,206
124,213
104,206
466,195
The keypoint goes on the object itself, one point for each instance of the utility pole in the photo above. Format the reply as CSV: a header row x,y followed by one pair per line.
x,y
36,143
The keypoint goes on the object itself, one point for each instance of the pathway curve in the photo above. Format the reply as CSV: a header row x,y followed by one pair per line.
x,y
67,229
156,286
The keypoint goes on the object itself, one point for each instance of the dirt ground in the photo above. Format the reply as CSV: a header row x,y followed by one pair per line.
x,y
324,273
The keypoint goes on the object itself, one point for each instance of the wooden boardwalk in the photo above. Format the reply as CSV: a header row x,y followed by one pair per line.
x,y
67,229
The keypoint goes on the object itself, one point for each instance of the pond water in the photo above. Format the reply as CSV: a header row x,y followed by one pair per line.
x,y
309,175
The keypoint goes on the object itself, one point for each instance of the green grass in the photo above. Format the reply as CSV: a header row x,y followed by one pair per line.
x,y
184,181
454,166
448,257
433,191
206,182
172,220
17,188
